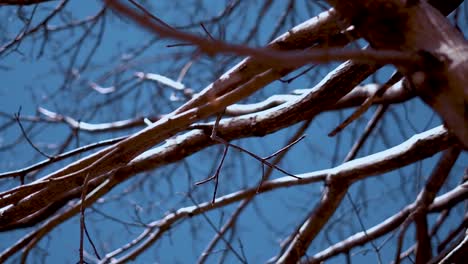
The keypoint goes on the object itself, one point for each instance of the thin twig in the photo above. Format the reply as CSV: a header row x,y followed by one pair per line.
x,y
218,169
17,117
212,225
41,164
227,144
367,131
82,217
366,104
142,8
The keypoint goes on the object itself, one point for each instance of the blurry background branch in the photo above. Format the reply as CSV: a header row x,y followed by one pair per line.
x,y
132,108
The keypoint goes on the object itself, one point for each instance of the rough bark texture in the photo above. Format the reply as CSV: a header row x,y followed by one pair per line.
x,y
416,26
438,74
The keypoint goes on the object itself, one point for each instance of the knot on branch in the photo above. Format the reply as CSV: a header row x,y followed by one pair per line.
x,y
427,74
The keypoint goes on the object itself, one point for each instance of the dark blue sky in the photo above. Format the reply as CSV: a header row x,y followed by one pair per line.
x,y
30,81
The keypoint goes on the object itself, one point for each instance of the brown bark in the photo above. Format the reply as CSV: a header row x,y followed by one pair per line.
x,y
440,79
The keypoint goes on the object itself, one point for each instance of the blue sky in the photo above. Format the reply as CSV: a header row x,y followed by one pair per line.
x,y
30,81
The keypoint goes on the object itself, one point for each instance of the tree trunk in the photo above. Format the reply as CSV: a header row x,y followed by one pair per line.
x,y
416,26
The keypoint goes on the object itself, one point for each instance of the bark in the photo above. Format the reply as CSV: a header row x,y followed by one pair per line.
x,y
416,26
439,79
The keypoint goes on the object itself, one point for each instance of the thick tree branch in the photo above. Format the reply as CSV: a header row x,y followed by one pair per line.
x,y
441,79
440,203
